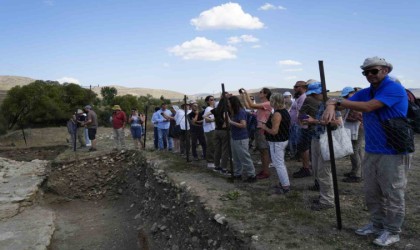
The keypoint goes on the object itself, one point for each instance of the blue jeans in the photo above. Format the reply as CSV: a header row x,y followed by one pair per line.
x,y
163,138
242,158
156,137
294,139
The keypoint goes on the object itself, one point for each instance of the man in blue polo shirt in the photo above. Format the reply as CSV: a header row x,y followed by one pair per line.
x,y
384,169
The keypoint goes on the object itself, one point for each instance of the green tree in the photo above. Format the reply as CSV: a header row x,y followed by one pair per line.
x,y
108,95
43,103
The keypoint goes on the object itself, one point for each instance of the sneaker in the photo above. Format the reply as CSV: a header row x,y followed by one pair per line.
x,y
262,175
303,172
321,206
314,187
368,229
210,165
352,179
217,169
386,239
251,179
348,174
280,190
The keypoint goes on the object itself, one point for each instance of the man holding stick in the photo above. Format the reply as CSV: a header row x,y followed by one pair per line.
x,y
384,168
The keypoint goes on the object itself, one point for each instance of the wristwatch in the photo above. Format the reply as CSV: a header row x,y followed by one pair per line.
x,y
339,102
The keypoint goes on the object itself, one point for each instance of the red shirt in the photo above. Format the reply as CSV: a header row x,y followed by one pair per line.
x,y
118,119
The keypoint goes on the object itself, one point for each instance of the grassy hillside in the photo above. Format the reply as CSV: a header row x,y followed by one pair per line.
x,y
8,82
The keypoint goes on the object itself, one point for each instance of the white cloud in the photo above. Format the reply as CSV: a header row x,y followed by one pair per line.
x,y
201,48
269,6
256,46
68,80
289,62
226,16
49,2
234,39
290,77
243,38
293,70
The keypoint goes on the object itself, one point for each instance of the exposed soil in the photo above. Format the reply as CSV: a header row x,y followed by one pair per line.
x,y
156,198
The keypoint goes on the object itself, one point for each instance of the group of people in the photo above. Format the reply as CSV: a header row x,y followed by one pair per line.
x,y
295,125
82,127
119,122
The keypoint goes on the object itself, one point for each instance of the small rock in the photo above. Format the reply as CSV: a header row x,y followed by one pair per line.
x,y
220,218
137,216
154,227
254,237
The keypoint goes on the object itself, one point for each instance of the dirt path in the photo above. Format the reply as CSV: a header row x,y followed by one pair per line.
x,y
99,224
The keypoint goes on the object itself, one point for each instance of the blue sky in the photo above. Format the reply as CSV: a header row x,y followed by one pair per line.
x,y
193,46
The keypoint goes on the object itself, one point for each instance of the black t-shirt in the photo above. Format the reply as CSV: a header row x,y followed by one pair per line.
x,y
283,133
197,127
218,119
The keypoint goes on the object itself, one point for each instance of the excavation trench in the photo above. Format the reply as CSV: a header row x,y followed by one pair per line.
x,y
121,201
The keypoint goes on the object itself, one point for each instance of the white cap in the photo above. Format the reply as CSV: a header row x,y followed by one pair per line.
x,y
287,93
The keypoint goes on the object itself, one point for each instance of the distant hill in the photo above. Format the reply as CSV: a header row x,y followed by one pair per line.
x,y
157,93
8,82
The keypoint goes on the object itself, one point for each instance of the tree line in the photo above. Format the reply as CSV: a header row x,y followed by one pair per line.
x,y
49,103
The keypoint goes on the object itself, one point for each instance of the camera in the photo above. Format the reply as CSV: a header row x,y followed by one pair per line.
x,y
241,90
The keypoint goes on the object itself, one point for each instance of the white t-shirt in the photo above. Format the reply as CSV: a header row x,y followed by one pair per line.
x,y
180,119
208,126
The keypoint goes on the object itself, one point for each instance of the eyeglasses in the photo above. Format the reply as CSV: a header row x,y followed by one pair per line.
x,y
211,99
371,71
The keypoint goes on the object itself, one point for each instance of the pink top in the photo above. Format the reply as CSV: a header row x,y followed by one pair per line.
x,y
263,113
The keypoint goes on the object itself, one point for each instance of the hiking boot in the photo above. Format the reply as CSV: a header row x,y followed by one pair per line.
x,y
386,239
368,229
251,179
321,206
352,179
263,175
303,172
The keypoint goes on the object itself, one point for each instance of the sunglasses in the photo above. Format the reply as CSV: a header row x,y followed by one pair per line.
x,y
296,86
371,71
211,99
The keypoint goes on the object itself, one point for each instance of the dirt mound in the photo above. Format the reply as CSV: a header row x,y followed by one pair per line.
x,y
91,178
166,215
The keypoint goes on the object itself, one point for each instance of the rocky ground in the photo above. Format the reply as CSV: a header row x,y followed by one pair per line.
x,y
155,200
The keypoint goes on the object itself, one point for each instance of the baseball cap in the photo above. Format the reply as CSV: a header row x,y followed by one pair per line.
x,y
314,88
287,93
346,91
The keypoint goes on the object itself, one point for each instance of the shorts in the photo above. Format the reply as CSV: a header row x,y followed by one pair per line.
x,y
136,132
92,133
260,141
304,141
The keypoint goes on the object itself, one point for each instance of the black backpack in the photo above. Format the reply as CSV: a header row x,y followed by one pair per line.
x,y
413,113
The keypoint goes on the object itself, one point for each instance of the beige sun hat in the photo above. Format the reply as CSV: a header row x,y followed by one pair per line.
x,y
116,107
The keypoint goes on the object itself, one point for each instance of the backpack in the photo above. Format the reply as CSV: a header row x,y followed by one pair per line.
x,y
413,113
